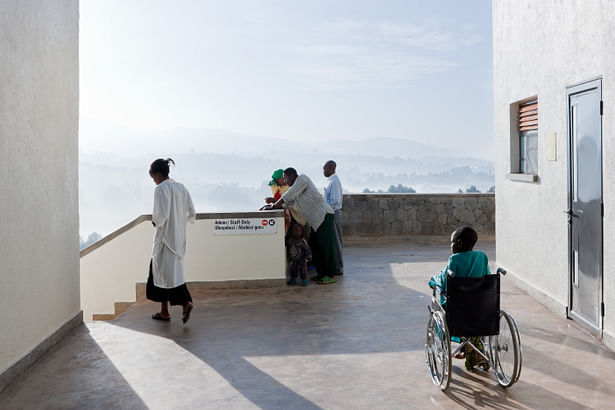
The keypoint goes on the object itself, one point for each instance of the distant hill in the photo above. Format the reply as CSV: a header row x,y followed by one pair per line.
x,y
389,148
227,171
98,136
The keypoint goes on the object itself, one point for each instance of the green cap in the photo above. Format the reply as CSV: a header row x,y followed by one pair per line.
x,y
277,174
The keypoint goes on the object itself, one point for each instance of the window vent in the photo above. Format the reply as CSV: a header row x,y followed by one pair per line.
x,y
528,116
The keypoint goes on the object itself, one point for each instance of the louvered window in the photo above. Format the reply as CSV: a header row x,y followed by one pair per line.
x,y
528,137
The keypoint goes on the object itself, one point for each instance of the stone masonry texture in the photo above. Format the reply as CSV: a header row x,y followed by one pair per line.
x,y
407,215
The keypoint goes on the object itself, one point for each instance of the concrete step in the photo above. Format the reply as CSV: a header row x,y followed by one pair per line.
x,y
118,307
121,307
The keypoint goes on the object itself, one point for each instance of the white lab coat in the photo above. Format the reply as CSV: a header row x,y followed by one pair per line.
x,y
173,208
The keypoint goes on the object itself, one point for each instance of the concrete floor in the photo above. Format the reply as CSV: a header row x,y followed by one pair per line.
x,y
357,344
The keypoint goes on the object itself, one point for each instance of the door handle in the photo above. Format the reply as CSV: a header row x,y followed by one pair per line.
x,y
571,214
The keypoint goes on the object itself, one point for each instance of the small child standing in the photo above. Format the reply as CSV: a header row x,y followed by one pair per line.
x,y
297,252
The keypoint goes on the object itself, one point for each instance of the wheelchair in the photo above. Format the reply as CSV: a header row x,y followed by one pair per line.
x,y
472,310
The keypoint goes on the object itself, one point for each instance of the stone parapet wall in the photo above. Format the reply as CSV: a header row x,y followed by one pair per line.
x,y
416,215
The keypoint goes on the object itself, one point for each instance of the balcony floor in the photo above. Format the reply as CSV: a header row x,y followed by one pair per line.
x,y
355,344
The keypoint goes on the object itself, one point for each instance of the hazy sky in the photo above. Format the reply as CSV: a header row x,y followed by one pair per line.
x,y
311,70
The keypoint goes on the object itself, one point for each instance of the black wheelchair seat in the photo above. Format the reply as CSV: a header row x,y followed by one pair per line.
x,y
473,305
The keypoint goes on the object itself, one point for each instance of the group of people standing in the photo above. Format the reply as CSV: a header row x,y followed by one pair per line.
x,y
320,219
310,215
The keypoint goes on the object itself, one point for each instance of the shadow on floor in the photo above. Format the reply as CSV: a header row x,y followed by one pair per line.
x,y
69,377
374,309
355,344
476,390
366,312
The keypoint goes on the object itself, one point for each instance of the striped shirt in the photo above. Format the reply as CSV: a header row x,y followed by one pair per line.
x,y
333,193
310,202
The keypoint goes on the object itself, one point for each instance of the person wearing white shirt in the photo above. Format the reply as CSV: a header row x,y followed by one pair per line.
x,y
173,208
319,216
334,197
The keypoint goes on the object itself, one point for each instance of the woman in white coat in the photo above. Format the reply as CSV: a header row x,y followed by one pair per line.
x,y
173,208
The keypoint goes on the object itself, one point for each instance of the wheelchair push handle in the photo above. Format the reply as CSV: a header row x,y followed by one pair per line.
x,y
437,289
501,271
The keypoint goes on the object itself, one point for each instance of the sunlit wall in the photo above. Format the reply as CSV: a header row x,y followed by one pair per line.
x,y
39,259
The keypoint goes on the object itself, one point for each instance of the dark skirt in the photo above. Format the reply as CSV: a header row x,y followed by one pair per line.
x,y
175,296
324,248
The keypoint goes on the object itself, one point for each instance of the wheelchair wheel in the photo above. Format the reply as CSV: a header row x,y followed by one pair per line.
x,y
505,351
438,350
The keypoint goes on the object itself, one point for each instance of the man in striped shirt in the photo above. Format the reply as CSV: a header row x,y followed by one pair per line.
x,y
319,215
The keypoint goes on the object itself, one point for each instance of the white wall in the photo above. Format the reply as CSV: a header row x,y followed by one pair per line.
x,y
110,272
540,47
39,259
212,257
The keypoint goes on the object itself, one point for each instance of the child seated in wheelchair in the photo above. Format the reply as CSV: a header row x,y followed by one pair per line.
x,y
464,262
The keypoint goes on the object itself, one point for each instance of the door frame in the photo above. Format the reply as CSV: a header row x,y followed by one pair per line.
x,y
593,83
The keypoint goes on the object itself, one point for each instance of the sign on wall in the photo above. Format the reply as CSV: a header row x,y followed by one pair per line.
x,y
551,147
245,226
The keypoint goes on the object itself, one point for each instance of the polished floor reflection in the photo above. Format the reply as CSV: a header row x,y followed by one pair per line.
x,y
357,344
